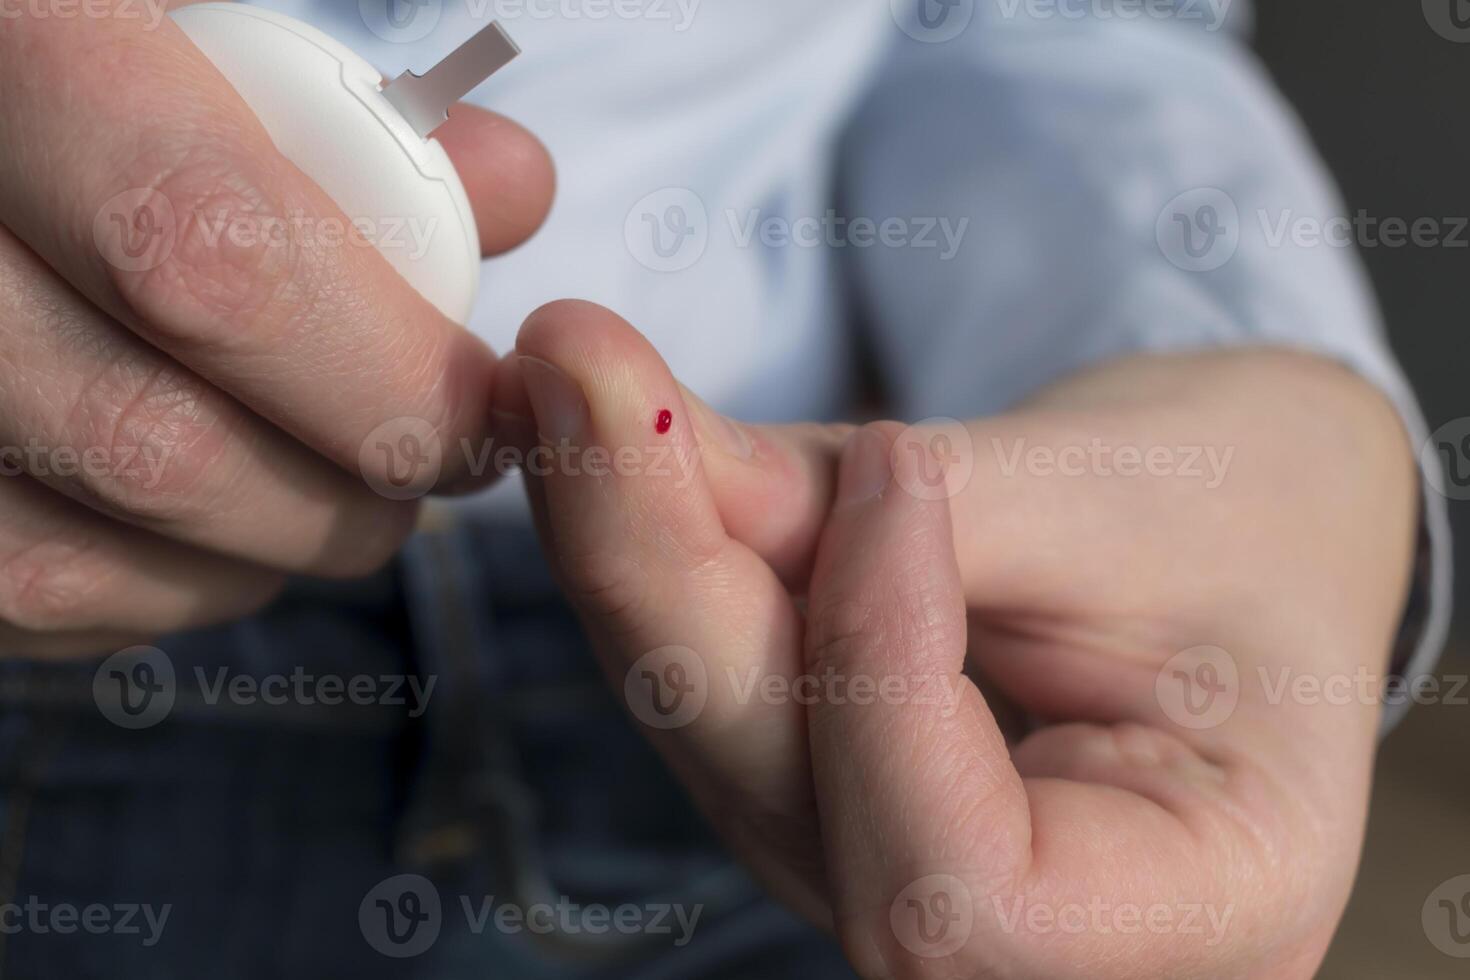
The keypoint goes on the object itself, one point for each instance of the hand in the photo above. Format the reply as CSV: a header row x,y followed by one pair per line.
x,y
1112,839
181,437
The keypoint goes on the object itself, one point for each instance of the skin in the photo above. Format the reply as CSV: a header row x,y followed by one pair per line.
x,y
1059,599
783,551
251,373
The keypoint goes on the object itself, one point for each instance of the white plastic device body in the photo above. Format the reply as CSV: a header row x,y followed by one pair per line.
x,y
323,107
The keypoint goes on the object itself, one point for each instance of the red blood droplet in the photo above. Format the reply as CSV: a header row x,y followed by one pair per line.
x,y
665,421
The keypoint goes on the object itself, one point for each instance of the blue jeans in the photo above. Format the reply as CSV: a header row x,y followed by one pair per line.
x,y
505,822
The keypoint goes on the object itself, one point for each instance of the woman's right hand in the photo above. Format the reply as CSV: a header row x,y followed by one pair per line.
x,y
183,413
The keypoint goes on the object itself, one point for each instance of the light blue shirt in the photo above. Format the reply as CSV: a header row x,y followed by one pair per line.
x,y
1042,183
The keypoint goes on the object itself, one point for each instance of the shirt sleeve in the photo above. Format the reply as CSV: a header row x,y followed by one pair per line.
x,y
1075,185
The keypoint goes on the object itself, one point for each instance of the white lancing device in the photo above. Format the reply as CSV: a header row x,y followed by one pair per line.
x,y
366,145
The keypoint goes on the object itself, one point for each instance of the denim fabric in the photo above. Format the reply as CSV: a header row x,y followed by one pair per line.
x,y
278,836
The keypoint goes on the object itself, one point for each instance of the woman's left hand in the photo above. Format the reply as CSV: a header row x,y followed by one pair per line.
x,y
1180,803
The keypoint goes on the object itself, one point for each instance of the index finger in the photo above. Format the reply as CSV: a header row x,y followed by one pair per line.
x,y
325,340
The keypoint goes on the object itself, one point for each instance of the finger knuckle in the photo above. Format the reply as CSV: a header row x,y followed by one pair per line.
x,y
434,386
437,373
611,588
231,256
875,954
256,594
375,541
156,444
931,616
915,619
843,631
50,586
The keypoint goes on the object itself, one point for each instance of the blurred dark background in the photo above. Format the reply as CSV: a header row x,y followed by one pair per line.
x,y
1383,94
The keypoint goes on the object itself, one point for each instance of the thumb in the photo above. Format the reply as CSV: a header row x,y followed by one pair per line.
x,y
921,806
506,171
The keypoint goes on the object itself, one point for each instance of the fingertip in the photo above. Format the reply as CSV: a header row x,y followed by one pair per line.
x,y
865,470
622,373
512,417
888,502
550,329
777,501
509,392
507,172
633,410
